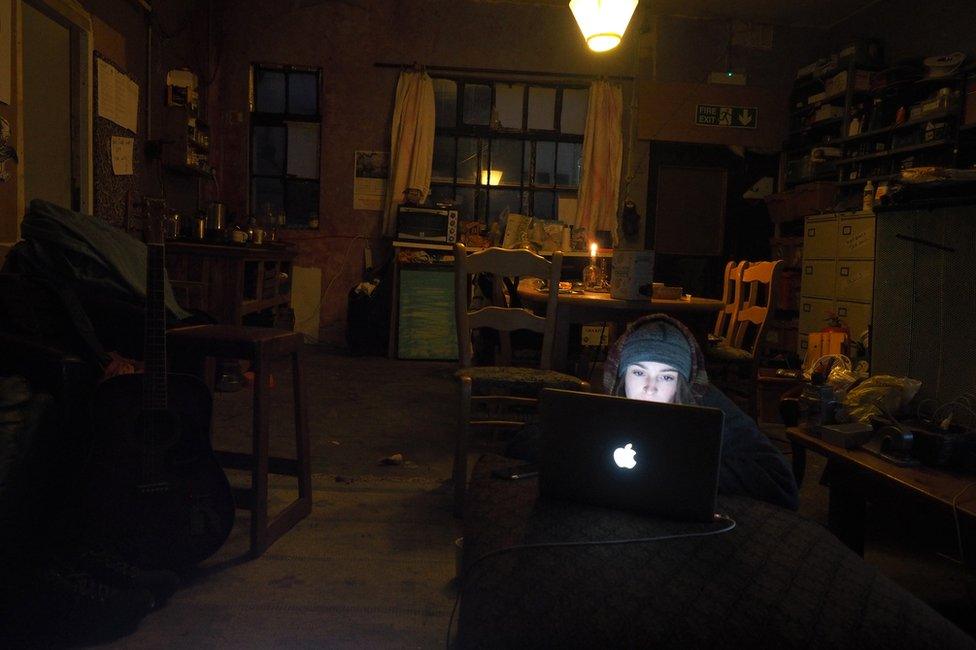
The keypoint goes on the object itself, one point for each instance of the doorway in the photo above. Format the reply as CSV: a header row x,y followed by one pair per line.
x,y
57,99
697,218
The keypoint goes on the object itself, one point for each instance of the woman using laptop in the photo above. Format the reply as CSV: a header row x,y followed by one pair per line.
x,y
657,359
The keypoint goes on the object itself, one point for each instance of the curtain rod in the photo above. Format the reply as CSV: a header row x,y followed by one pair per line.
x,y
531,73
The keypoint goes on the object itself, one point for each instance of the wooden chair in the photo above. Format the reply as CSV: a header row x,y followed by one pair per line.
x,y
501,395
725,320
734,366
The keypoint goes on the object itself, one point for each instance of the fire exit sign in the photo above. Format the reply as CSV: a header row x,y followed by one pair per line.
x,y
733,117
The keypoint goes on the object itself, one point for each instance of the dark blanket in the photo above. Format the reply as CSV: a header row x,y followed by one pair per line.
x,y
776,581
63,245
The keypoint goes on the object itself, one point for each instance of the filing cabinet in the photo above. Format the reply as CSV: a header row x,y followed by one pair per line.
x,y
838,272
819,278
820,237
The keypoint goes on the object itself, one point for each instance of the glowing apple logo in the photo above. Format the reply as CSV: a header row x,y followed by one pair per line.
x,y
624,457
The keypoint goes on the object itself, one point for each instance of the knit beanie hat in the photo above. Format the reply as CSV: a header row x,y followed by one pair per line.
x,y
660,342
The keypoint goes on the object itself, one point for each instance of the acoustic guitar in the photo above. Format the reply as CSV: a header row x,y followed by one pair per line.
x,y
157,487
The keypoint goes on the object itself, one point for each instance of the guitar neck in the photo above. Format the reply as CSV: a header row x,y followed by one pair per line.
x,y
154,342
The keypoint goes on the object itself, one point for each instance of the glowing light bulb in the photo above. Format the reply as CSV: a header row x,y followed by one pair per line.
x,y
603,22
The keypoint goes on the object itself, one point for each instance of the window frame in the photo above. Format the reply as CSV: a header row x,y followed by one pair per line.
x,y
486,134
271,119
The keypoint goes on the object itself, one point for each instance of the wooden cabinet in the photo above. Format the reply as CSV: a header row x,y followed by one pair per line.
x,y
233,282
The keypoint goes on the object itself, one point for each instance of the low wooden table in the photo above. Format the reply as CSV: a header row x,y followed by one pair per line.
x,y
698,314
858,475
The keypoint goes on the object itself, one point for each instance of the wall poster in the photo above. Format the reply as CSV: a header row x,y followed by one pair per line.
x,y
369,182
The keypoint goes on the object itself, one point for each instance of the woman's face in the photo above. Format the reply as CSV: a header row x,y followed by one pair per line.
x,y
651,381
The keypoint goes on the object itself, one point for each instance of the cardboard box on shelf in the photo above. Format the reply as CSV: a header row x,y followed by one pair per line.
x,y
809,198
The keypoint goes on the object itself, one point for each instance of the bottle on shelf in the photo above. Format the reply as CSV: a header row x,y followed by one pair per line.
x,y
867,203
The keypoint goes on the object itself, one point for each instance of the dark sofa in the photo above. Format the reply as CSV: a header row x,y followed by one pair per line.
x,y
776,581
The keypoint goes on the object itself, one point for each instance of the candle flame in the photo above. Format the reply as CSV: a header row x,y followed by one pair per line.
x,y
593,250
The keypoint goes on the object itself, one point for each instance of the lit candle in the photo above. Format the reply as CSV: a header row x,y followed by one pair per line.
x,y
593,251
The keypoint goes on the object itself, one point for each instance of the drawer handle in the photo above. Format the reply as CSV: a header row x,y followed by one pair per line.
x,y
806,307
842,311
844,271
808,270
811,232
846,230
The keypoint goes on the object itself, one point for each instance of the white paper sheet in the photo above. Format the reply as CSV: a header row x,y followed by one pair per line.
x,y
118,97
121,156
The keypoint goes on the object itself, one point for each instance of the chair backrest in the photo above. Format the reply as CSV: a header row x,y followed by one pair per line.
x,y
755,301
725,320
502,264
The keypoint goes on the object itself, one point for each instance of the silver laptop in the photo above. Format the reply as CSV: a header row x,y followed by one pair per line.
x,y
658,459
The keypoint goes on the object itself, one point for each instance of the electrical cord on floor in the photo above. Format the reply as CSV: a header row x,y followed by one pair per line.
x,y
729,525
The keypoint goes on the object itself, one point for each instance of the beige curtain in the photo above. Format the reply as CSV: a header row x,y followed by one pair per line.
x,y
602,156
411,142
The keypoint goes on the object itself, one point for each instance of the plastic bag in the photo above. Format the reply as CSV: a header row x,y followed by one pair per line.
x,y
842,376
882,395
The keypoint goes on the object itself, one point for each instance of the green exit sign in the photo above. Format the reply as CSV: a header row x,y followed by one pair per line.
x,y
733,117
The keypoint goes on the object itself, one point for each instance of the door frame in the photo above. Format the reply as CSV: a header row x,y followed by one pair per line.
x,y
73,16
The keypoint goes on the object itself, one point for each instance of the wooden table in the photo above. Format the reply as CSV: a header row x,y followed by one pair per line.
x,y
698,314
231,281
858,475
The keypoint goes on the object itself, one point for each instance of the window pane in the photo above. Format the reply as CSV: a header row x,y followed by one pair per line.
x,y
303,93
545,163
506,157
477,104
302,201
443,165
268,150
542,108
266,191
568,160
441,194
509,99
544,205
573,118
471,204
467,166
445,102
500,200
269,91
303,149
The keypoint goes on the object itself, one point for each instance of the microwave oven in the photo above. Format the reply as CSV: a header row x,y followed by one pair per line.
x,y
427,224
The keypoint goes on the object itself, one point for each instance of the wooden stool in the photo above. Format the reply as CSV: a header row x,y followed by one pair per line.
x,y
260,346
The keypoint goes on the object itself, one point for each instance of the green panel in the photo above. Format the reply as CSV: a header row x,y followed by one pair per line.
x,y
426,314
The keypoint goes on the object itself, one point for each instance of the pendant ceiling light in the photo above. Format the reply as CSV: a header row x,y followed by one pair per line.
x,y
603,22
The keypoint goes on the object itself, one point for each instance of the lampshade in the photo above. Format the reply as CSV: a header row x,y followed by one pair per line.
x,y
603,22
494,178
